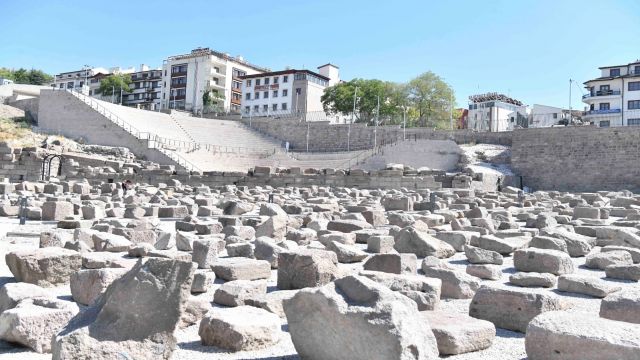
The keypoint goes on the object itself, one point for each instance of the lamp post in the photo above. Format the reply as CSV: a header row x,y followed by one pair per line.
x,y
404,122
355,97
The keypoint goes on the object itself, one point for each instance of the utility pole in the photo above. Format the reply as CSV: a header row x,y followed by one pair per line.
x,y
451,111
120,95
404,122
375,130
355,96
570,117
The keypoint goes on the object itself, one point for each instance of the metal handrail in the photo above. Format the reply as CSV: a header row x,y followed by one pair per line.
x,y
150,138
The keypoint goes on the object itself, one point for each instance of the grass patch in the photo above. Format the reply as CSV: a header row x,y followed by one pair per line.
x,y
17,131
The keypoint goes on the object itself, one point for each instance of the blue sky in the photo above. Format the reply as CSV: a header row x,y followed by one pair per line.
x,y
527,49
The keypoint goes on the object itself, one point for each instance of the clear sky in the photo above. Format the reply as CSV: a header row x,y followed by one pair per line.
x,y
527,49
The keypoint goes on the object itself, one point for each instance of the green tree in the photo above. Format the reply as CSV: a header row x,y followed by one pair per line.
x,y
339,98
39,77
432,98
115,83
24,76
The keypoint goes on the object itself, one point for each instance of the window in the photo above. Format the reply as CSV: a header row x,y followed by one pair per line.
x,y
634,86
285,92
298,91
633,105
257,82
604,123
216,69
178,80
265,95
181,92
275,79
256,95
247,96
275,93
614,72
633,122
238,73
256,108
604,88
179,69
285,78
636,70
274,107
555,115
236,84
283,106
61,86
236,97
604,106
265,108
266,81
249,82
247,109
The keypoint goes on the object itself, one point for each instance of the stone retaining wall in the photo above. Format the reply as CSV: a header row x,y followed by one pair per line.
x,y
578,158
325,137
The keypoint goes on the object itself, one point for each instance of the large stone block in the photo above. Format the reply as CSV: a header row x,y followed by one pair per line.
x,y
410,240
356,318
561,335
459,333
34,321
56,210
306,268
87,284
136,316
543,261
622,306
46,267
239,328
512,309
237,268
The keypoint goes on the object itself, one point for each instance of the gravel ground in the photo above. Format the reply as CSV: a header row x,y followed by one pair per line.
x,y
507,344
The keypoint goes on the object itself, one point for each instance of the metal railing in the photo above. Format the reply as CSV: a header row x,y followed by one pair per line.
x,y
603,111
151,139
601,93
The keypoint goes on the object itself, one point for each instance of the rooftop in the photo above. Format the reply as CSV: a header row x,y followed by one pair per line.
x,y
283,72
493,96
207,51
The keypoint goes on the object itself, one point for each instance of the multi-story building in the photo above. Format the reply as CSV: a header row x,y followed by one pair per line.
x,y
77,79
494,112
186,78
547,116
146,87
287,92
614,97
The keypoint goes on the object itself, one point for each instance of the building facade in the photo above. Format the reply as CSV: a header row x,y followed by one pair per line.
x,y
287,92
78,79
187,78
613,99
146,89
494,112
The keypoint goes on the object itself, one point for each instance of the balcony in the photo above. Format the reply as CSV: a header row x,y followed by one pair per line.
x,y
601,93
213,85
603,112
634,72
178,73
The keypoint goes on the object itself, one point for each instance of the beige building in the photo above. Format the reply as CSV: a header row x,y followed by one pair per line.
x,y
186,78
287,92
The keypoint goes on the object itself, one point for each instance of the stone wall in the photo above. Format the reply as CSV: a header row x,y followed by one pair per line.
x,y
578,158
61,113
326,137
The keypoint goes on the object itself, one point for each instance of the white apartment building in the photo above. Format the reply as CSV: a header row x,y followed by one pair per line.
x,y
614,97
77,79
186,78
287,92
494,112
146,89
547,116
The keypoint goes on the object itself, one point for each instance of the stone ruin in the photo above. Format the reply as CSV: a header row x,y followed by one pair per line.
x,y
176,270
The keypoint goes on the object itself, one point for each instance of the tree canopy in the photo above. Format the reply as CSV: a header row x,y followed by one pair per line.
x,y
24,76
115,82
427,100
